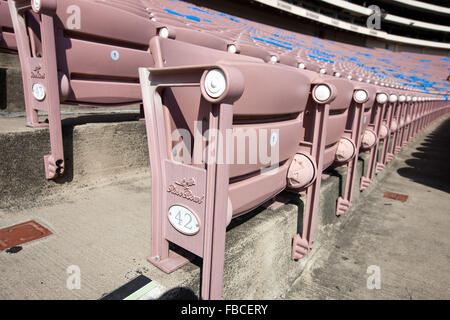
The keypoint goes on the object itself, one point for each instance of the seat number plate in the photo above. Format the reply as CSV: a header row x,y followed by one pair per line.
x,y
184,220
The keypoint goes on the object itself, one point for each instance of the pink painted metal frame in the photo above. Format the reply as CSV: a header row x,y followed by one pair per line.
x,y
376,125
212,182
358,125
161,256
41,71
53,56
388,118
314,146
402,125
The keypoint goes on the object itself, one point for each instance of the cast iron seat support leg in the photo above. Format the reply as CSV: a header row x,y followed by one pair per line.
x,y
419,127
403,105
344,203
396,131
218,179
381,109
40,78
416,120
424,116
402,135
302,244
54,163
17,11
413,107
384,151
209,180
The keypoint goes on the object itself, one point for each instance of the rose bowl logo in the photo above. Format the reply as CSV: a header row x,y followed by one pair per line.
x,y
36,73
183,190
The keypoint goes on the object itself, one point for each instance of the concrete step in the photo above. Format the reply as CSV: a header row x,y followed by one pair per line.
x,y
11,88
9,60
95,146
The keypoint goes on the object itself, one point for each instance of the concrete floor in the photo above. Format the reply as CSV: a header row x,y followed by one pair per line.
x,y
85,223
409,242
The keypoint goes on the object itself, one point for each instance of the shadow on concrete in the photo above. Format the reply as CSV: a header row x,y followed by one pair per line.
x,y
430,163
244,218
3,89
179,293
333,172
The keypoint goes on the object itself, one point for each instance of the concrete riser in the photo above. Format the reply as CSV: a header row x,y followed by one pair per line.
x,y
259,266
11,88
92,151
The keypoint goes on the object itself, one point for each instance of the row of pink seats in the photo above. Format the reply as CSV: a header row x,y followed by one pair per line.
x,y
313,104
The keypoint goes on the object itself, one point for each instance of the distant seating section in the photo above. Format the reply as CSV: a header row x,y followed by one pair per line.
x,y
311,104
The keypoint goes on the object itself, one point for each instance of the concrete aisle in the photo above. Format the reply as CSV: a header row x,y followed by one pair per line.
x,y
409,242
85,225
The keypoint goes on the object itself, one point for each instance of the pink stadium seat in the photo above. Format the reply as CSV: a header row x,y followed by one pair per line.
x,y
96,64
357,132
209,84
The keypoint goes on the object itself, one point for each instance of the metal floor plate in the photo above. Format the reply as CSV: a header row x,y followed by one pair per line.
x,y
22,233
396,196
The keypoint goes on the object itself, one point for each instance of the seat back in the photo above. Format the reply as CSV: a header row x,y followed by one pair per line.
x,y
7,38
267,125
98,50
337,118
